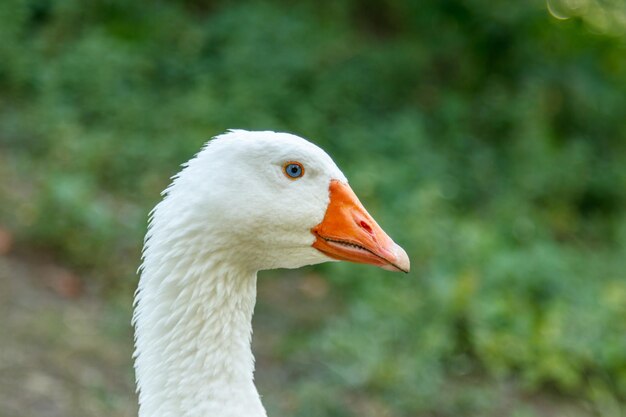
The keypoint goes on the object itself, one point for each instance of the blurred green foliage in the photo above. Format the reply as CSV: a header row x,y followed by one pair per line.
x,y
487,137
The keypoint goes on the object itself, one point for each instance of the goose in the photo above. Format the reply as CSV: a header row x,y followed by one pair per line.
x,y
248,201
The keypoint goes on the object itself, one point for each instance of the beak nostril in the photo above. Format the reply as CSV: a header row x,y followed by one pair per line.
x,y
366,226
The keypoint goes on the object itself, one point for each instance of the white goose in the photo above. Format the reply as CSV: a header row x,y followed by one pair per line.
x,y
248,201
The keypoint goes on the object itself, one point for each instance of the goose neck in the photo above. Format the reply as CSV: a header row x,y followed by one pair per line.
x,y
193,334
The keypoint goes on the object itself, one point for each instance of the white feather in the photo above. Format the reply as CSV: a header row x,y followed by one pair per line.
x,y
228,214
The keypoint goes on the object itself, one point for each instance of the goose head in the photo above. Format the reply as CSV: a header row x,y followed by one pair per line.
x,y
274,200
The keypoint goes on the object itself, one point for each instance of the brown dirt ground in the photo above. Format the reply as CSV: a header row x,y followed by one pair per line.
x,y
60,354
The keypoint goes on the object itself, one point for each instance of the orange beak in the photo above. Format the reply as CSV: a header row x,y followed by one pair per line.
x,y
349,233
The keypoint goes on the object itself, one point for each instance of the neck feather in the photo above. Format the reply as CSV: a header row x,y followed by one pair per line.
x,y
192,319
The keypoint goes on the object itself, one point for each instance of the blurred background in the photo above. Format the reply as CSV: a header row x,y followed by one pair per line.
x,y
487,137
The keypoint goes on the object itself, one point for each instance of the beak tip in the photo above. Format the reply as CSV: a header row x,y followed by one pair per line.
x,y
402,261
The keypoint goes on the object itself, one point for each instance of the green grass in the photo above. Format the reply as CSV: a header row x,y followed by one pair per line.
x,y
487,139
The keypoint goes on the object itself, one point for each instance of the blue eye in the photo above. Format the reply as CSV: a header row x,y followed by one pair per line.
x,y
293,170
